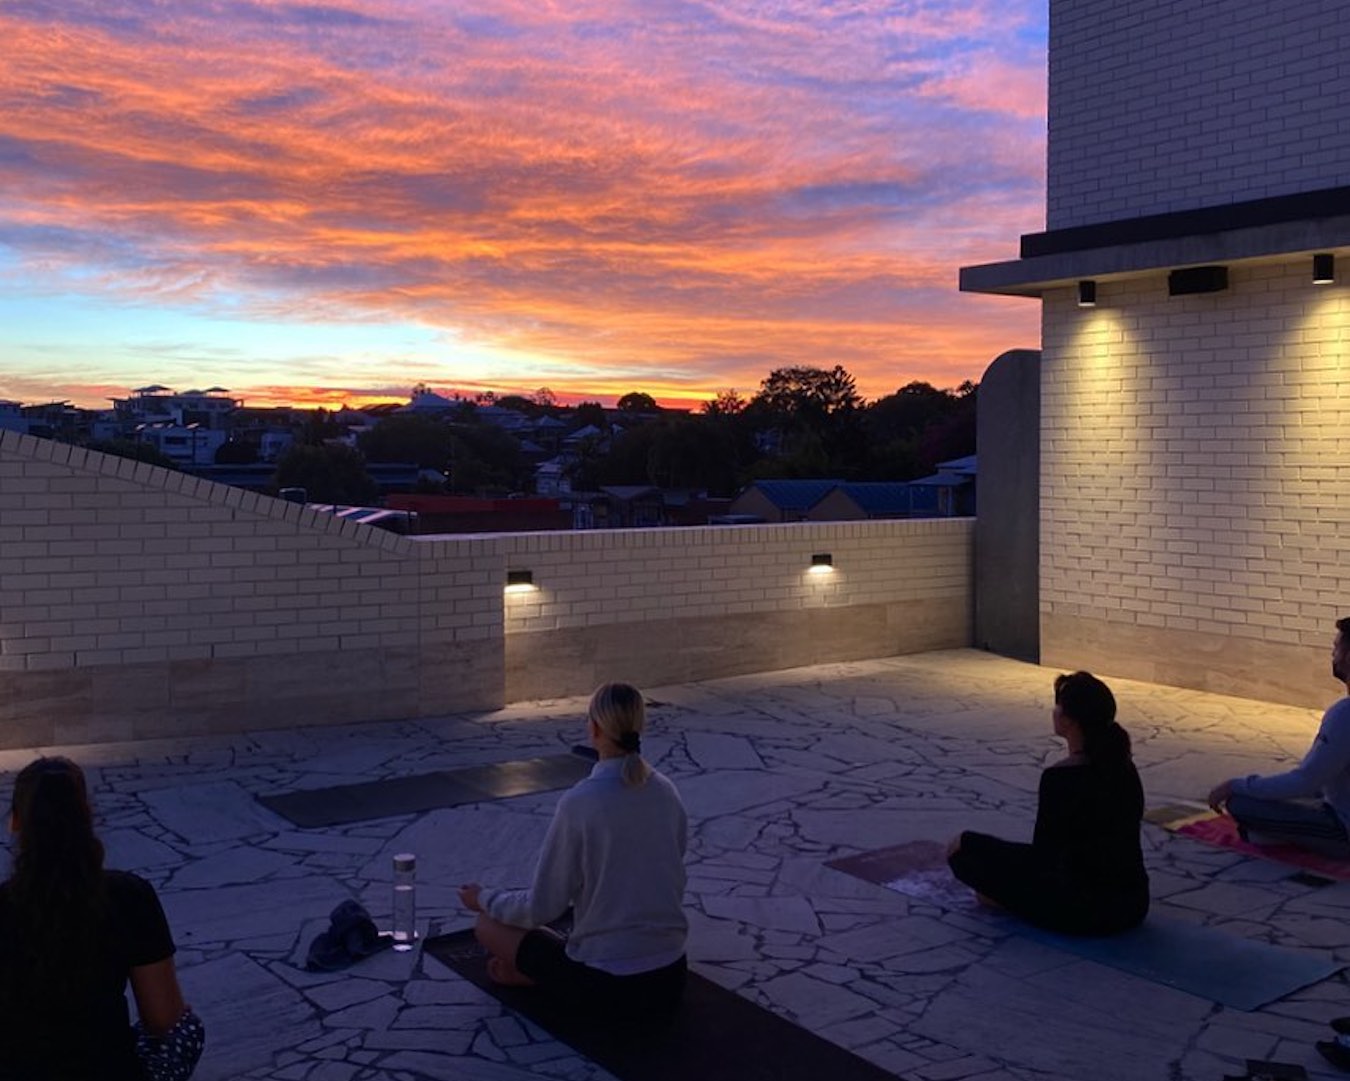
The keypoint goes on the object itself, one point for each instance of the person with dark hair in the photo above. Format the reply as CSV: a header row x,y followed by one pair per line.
x,y
1308,805
1083,872
72,935
614,854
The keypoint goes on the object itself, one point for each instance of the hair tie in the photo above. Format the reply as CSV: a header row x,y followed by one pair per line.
x,y
631,742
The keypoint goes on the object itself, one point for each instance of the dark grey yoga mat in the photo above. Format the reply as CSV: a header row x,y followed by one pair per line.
x,y
715,1034
1204,961
313,808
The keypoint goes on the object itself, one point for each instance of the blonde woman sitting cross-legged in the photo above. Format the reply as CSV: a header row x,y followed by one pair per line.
x,y
614,854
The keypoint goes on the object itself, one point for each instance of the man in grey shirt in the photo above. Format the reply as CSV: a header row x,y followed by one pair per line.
x,y
1308,805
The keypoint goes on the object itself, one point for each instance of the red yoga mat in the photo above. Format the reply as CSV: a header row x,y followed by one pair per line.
x,y
1222,831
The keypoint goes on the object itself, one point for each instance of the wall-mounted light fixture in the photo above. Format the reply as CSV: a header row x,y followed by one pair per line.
x,y
1324,268
822,563
1087,294
1197,279
520,581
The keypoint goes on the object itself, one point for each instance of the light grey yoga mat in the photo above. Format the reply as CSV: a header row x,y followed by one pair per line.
x,y
1238,972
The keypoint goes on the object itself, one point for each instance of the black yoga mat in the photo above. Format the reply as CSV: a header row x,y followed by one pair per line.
x,y
312,808
715,1034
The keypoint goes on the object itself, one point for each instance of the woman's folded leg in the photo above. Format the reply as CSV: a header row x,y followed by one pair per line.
x,y
994,868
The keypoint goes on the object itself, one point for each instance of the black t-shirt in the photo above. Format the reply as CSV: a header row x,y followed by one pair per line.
x,y
90,1036
1087,825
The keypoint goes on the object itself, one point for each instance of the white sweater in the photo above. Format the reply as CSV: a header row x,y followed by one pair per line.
x,y
616,855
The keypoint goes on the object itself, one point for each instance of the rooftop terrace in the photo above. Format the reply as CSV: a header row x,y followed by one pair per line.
x,y
780,772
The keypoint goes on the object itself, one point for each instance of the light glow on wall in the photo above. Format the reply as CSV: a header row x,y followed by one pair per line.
x,y
1099,337
1319,379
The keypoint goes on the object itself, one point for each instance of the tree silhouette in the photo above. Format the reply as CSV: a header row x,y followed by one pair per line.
x,y
318,428
236,452
910,431
807,392
328,474
484,459
727,403
812,416
592,413
409,437
635,401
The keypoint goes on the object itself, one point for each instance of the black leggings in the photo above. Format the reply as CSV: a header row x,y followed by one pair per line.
x,y
542,957
1011,875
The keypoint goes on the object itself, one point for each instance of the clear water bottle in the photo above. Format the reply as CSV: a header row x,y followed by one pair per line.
x,y
405,901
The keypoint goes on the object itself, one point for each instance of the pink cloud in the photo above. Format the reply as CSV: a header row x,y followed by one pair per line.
x,y
989,83
618,190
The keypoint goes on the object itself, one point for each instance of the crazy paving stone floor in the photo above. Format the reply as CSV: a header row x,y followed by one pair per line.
x,y
780,772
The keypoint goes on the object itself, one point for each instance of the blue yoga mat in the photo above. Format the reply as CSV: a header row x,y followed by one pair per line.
x,y
1203,961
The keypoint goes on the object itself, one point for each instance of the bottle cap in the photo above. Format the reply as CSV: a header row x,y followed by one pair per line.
x,y
405,861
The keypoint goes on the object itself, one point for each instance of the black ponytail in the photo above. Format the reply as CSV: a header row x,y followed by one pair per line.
x,y
56,887
1087,700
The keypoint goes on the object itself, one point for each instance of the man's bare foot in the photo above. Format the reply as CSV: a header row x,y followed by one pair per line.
x,y
507,975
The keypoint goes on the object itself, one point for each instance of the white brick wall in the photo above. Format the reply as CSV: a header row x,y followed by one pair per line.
x,y
633,576
1162,105
1195,470
104,562
137,601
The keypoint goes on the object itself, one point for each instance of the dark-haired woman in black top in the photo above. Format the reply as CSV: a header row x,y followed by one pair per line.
x,y
72,935
1083,872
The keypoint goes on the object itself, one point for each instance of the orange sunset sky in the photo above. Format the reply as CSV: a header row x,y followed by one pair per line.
x,y
330,201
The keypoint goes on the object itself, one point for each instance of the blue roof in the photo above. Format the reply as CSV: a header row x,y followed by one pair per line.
x,y
968,464
794,494
879,497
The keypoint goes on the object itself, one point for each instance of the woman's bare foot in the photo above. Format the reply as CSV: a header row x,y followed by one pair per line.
x,y
507,975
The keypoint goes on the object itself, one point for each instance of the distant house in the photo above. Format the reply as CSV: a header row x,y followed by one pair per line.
x,y
546,433
210,408
635,505
508,420
183,444
640,506
12,418
551,477
781,500
428,401
948,493
49,420
583,434
865,500
692,507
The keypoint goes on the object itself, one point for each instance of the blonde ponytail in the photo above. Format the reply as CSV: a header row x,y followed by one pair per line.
x,y
620,713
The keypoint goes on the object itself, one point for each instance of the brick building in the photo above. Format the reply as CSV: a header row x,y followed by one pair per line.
x,y
1195,477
